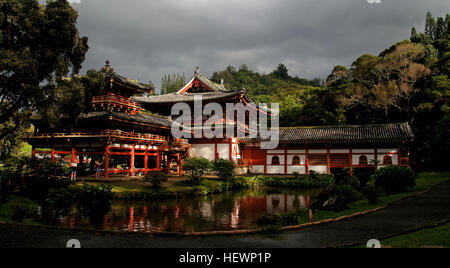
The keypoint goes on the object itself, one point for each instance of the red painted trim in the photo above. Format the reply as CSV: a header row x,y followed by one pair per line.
x,y
107,149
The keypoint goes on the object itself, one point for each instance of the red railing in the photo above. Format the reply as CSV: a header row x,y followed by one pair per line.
x,y
103,133
115,99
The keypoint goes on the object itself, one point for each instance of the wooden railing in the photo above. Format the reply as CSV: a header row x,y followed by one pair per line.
x,y
103,133
112,98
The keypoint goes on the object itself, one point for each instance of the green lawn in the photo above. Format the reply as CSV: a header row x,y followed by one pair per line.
x,y
424,182
434,237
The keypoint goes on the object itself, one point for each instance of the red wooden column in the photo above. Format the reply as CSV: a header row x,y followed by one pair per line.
x,y
376,159
107,161
351,162
53,154
307,161
285,162
33,153
74,155
328,161
180,171
133,149
146,160
158,158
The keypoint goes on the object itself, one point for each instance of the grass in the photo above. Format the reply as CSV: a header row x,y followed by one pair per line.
x,y
6,211
435,237
425,181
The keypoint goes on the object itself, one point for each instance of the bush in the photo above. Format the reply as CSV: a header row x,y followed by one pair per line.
x,y
225,169
58,203
95,202
364,175
371,192
19,213
336,198
343,177
156,178
197,167
4,197
395,179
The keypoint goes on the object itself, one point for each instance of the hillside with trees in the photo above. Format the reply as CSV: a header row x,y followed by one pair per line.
x,y
408,82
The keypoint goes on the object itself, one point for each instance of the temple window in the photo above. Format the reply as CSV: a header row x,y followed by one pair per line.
x,y
387,160
296,160
275,160
363,160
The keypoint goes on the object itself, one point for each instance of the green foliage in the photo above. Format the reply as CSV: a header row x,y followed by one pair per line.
x,y
58,202
172,83
94,202
4,191
372,193
156,178
395,179
306,181
197,167
19,213
39,45
225,169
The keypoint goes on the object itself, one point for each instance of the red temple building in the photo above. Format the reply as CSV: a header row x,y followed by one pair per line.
x,y
130,131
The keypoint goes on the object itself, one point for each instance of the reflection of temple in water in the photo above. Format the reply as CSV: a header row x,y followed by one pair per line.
x,y
198,215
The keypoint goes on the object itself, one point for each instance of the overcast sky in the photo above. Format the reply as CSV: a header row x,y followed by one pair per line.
x,y
145,39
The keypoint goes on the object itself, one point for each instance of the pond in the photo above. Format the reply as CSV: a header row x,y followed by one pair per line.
x,y
230,211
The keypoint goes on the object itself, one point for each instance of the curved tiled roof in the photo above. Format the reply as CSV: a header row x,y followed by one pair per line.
x,y
139,118
346,134
187,97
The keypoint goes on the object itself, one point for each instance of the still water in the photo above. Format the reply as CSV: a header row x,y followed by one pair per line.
x,y
225,212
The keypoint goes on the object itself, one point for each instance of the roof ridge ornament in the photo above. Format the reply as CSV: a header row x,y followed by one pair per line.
x,y
197,70
107,67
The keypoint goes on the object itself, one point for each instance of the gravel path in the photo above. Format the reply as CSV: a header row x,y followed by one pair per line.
x,y
403,216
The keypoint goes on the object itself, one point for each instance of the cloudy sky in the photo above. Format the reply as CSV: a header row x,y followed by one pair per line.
x,y
145,39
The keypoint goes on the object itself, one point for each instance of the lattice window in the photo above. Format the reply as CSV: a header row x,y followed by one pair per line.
x,y
296,160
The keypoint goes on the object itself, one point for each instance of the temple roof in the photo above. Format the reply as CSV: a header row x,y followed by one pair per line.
x,y
130,84
139,118
187,97
347,134
213,87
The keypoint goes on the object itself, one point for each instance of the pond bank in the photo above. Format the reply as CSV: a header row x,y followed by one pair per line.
x,y
177,188
402,217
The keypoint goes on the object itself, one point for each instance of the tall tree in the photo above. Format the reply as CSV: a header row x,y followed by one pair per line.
x,y
430,25
172,83
39,46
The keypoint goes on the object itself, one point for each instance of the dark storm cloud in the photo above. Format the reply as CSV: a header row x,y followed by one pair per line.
x,y
147,39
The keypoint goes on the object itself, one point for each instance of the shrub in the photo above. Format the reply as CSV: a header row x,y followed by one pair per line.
x,y
371,192
364,175
156,178
58,203
225,169
335,198
197,167
95,202
395,179
268,219
4,197
19,213
343,177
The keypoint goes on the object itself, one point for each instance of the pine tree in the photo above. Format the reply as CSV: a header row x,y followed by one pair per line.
x,y
430,25
414,34
447,24
440,31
